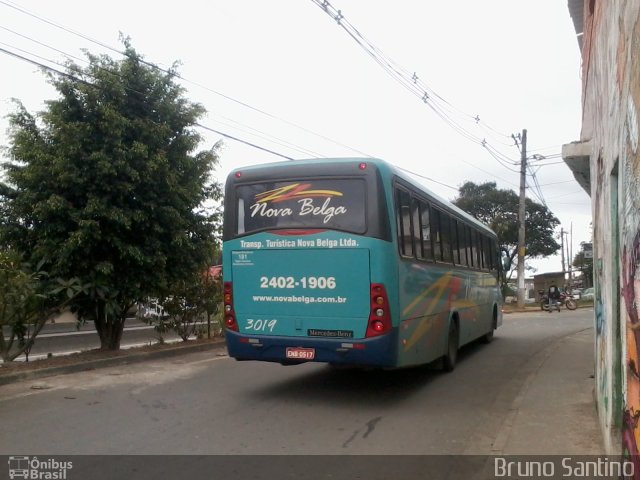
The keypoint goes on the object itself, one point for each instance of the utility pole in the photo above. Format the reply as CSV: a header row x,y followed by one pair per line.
x,y
562,232
570,259
521,217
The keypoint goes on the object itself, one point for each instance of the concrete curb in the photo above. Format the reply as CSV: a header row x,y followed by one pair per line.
x,y
14,377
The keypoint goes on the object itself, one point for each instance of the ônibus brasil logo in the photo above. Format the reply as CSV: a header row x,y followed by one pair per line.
x,y
304,196
37,469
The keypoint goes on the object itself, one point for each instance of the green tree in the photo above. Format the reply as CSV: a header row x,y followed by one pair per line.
x,y
107,185
28,299
584,265
191,301
498,208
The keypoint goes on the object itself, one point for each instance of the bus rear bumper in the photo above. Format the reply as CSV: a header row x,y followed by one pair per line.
x,y
372,352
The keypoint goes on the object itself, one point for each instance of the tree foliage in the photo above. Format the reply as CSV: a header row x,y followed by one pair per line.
x,y
584,265
106,185
28,299
498,209
190,302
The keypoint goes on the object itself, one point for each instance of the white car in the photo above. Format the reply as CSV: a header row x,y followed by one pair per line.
x,y
588,294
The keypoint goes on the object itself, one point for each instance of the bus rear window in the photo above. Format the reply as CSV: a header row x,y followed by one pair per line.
x,y
323,204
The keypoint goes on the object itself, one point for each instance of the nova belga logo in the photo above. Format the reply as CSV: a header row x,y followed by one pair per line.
x,y
303,195
37,469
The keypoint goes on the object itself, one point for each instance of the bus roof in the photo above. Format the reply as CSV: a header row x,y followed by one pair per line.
x,y
382,165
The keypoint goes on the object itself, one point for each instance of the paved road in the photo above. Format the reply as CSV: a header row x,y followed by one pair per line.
x,y
206,403
65,338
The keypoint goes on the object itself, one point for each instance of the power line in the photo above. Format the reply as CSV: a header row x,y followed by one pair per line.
x,y
73,77
567,194
489,173
427,178
441,107
173,73
557,183
258,133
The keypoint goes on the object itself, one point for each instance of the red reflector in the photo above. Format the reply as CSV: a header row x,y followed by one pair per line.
x,y
358,346
362,166
238,174
378,326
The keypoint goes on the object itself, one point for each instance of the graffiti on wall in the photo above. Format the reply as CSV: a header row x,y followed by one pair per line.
x,y
631,296
630,260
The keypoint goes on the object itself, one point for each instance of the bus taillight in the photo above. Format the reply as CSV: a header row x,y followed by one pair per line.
x,y
380,315
229,314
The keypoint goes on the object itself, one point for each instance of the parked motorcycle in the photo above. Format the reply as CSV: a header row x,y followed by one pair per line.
x,y
565,299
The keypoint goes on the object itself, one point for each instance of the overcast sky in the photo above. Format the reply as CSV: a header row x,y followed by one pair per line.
x,y
515,64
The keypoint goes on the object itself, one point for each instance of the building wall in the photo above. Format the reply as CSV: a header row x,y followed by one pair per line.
x,y
611,96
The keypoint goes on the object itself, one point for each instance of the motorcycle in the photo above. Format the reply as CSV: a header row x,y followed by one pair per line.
x,y
565,299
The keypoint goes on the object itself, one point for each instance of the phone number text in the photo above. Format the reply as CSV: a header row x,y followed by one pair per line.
x,y
322,283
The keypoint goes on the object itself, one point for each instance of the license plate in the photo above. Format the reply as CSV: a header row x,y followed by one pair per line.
x,y
298,353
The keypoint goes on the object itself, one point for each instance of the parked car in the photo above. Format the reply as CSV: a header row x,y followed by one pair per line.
x,y
587,294
576,293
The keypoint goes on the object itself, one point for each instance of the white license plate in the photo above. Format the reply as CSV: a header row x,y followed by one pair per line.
x,y
298,353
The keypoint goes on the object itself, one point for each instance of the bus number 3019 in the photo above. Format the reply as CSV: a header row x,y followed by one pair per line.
x,y
304,282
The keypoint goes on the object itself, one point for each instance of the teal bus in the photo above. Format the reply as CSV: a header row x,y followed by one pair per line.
x,y
351,262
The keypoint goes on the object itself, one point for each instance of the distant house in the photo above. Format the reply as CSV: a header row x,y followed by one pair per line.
x,y
543,281
529,295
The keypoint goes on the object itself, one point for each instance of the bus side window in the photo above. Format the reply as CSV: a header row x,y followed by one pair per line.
x,y
467,234
454,241
405,239
417,230
425,226
486,245
482,242
435,233
462,244
474,248
445,235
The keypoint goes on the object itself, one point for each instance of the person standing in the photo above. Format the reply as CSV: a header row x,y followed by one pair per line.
x,y
554,297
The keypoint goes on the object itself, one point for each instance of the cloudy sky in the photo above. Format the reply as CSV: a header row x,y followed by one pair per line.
x,y
285,76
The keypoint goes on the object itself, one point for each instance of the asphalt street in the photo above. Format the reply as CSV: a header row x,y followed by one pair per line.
x,y
530,391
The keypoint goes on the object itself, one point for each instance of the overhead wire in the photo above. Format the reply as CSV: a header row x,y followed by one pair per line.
x,y
258,133
73,77
443,110
428,178
441,107
164,70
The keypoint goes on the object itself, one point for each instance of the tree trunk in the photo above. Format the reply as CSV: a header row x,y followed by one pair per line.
x,y
109,328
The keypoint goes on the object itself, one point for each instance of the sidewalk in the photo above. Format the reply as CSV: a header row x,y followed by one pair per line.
x,y
91,360
554,412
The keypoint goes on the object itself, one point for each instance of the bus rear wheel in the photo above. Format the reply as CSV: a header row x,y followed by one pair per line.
x,y
488,337
450,358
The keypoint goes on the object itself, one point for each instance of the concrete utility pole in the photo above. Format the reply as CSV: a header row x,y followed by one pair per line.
x,y
521,217
562,232
570,256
